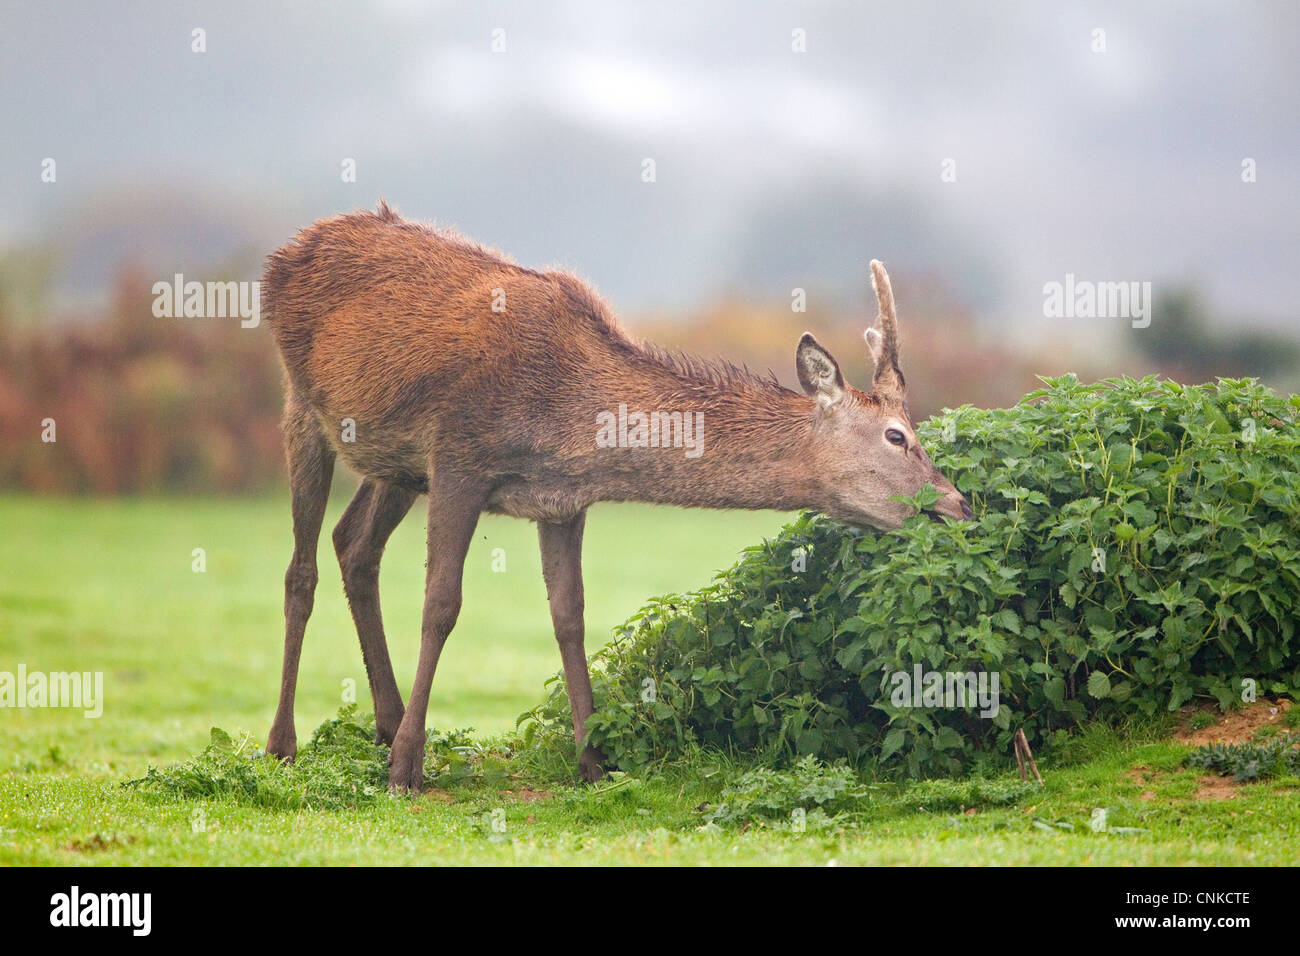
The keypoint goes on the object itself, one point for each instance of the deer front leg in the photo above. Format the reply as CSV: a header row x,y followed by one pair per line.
x,y
453,514
562,568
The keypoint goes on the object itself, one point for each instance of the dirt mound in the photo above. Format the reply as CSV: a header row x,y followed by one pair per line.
x,y
1234,727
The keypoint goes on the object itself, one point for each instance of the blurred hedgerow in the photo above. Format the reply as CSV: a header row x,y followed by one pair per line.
x,y
1136,546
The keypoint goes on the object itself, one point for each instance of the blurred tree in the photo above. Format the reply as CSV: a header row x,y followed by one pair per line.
x,y
26,278
1180,336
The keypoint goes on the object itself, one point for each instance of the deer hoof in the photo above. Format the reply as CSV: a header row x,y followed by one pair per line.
x,y
282,745
590,766
386,728
406,767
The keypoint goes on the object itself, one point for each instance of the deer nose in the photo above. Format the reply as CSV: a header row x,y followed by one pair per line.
x,y
954,503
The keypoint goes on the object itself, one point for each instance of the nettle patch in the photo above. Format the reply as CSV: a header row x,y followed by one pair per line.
x,y
1136,546
1247,762
341,767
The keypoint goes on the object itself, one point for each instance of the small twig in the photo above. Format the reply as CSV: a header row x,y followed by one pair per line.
x,y
1025,755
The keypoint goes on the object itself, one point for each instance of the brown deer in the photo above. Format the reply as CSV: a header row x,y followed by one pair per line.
x,y
432,365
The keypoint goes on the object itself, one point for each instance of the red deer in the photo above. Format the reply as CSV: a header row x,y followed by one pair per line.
x,y
432,365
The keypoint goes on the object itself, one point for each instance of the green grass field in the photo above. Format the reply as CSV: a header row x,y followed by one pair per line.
x,y
108,586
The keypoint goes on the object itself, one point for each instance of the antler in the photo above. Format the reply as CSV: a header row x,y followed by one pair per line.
x,y
883,341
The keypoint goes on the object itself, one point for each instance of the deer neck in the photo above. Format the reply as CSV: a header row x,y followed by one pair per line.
x,y
696,441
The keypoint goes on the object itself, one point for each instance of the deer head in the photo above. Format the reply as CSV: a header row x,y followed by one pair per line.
x,y
864,449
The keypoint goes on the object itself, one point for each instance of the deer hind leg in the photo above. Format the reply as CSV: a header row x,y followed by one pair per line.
x,y
359,540
561,546
311,467
453,513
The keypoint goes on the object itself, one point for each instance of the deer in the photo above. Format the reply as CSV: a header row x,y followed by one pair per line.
x,y
435,366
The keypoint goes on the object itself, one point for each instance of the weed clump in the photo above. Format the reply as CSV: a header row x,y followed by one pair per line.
x,y
340,767
763,793
1246,762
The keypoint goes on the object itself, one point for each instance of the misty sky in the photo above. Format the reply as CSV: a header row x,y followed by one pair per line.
x,y
773,168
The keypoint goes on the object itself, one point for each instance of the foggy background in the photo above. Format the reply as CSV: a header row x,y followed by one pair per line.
x,y
774,170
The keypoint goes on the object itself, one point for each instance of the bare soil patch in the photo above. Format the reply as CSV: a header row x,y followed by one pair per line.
x,y
1234,727
1216,788
529,795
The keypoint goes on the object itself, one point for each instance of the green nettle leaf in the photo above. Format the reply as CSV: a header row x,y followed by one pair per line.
x,y
1123,533
1081,558
1054,691
893,741
1008,620
923,499
945,738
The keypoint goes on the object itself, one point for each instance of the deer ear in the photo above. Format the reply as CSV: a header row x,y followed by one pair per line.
x,y
819,373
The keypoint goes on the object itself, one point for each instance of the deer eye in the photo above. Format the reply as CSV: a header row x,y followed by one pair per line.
x,y
895,437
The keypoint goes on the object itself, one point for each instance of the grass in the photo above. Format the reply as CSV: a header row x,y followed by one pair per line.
x,y
108,586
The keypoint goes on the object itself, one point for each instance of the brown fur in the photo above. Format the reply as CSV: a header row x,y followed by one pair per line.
x,y
390,324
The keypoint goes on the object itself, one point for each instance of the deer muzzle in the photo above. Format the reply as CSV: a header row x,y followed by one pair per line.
x,y
954,505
